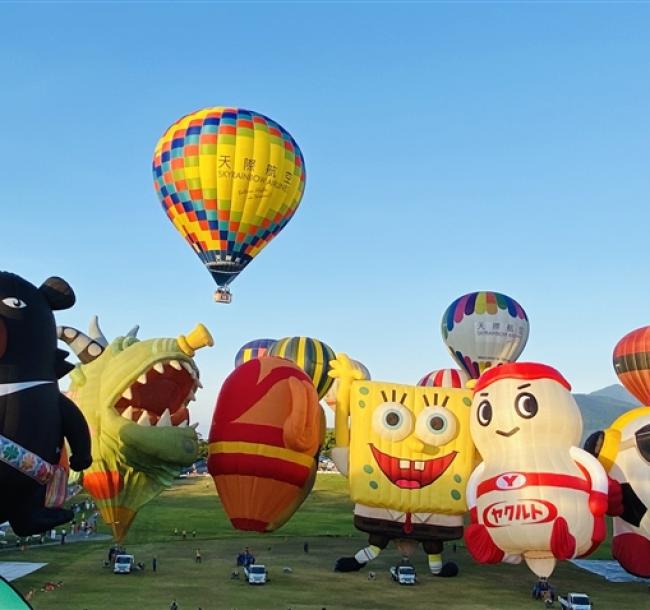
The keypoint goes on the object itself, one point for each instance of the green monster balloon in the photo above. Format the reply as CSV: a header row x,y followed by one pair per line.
x,y
134,395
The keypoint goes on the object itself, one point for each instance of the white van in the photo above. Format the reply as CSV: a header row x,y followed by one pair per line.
x,y
255,574
123,564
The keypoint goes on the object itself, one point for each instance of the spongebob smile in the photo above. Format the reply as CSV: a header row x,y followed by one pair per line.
x,y
411,474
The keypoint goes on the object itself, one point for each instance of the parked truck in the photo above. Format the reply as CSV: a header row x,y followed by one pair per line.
x,y
404,575
255,574
123,564
575,601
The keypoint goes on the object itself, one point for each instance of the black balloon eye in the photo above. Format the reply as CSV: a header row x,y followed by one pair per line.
x,y
484,413
526,405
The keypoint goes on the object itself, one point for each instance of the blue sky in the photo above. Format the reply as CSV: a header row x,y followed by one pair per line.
x,y
449,147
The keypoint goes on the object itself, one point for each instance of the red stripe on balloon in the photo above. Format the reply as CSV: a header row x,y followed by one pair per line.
x,y
247,464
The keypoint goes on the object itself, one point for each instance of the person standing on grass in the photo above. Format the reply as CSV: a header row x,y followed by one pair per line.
x,y
173,605
154,563
184,535
197,558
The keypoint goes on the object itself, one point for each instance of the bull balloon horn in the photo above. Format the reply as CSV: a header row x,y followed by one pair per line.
x,y
198,338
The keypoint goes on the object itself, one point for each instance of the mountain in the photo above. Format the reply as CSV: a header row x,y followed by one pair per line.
x,y
617,392
600,408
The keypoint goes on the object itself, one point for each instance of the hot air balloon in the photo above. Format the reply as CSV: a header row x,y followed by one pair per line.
x,y
484,329
445,378
135,396
632,363
229,179
407,453
253,349
536,495
311,355
266,433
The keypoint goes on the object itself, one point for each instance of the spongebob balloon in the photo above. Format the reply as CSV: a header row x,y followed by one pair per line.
x,y
536,494
408,455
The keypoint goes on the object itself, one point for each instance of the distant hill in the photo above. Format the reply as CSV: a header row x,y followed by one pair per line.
x,y
600,408
617,392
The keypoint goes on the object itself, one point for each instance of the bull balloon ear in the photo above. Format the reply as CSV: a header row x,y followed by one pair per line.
x,y
58,293
594,443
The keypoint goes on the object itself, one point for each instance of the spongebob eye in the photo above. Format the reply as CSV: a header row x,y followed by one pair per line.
x,y
436,426
392,420
526,405
484,413
14,302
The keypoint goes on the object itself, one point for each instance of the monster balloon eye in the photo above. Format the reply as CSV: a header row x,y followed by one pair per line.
x,y
484,413
436,426
526,405
14,303
393,420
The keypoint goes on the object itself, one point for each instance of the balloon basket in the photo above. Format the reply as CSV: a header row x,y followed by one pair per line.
x,y
223,295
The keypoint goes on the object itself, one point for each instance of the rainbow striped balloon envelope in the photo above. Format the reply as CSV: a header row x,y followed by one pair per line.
x,y
484,329
229,179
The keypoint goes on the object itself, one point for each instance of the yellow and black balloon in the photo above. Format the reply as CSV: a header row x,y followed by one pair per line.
x,y
311,355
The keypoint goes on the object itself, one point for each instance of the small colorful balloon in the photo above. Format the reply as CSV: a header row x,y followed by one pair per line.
x,y
484,329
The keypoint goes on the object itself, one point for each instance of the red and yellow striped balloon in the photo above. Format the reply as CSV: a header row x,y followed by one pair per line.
x,y
267,429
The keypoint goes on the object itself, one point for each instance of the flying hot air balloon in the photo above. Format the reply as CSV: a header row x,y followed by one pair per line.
x,y
311,355
632,363
445,378
253,349
229,179
484,329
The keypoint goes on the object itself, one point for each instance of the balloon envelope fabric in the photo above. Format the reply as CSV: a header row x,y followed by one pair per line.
x,y
311,355
484,329
267,429
445,378
253,349
632,363
229,179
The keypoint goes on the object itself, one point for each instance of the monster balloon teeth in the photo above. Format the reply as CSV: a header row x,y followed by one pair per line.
x,y
163,391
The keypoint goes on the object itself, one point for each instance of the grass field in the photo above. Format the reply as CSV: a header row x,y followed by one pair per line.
x,y
324,521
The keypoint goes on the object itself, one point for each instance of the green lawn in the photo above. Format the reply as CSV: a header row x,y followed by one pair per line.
x,y
324,521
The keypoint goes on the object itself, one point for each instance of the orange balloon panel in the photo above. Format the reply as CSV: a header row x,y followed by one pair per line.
x,y
632,363
266,433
